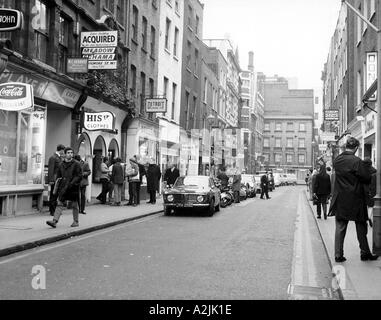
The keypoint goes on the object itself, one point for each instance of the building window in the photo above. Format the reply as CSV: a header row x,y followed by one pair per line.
x,y
177,6
266,142
359,95
278,126
193,119
195,61
316,115
278,142
187,109
120,11
205,100
365,26
41,31
301,158
289,158
372,7
133,80
144,33
190,16
174,89
267,126
302,127
290,142
359,27
266,157
110,5
135,15
278,157
153,41
302,143
290,126
189,54
167,30
143,91
63,35
197,25
175,42
165,88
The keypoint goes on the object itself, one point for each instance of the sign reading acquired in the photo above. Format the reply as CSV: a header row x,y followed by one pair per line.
x,y
10,19
99,48
94,121
15,96
331,115
156,105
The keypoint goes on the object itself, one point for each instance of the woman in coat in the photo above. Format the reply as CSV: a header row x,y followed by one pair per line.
x,y
153,174
322,191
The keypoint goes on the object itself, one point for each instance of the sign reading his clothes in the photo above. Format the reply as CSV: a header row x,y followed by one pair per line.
x,y
16,96
102,121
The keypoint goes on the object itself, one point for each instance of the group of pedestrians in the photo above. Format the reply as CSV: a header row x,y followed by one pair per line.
x,y
351,187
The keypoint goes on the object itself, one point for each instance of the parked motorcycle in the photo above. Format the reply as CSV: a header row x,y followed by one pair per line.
x,y
227,196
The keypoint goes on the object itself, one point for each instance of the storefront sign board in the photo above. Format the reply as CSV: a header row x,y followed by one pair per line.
x,y
156,105
10,19
99,121
77,65
331,115
15,96
99,48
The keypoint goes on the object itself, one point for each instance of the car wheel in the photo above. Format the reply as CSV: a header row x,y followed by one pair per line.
x,y
211,209
167,211
217,208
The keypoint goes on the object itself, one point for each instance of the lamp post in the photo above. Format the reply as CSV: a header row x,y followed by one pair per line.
x,y
377,198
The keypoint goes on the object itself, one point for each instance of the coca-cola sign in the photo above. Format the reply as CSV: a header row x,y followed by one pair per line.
x,y
16,96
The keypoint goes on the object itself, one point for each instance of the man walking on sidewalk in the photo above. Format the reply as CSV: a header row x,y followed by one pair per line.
x,y
68,179
53,165
265,186
348,199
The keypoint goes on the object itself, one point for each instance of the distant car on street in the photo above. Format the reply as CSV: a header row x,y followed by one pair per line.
x,y
198,192
277,179
291,179
249,181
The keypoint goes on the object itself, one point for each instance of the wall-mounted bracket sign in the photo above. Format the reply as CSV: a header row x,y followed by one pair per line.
x,y
99,121
99,47
331,115
15,96
156,105
10,19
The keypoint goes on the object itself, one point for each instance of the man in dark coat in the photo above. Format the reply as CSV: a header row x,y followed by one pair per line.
x,y
171,174
68,178
322,191
348,199
223,177
265,186
84,183
153,180
370,190
236,185
117,179
53,165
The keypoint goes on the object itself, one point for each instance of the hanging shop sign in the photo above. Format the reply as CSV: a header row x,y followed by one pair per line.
x,y
99,121
156,105
15,96
10,19
99,47
371,74
331,115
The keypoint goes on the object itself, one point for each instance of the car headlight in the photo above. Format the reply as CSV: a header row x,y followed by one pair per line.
x,y
200,198
170,197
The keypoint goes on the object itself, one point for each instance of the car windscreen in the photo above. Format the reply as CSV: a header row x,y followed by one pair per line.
x,y
192,182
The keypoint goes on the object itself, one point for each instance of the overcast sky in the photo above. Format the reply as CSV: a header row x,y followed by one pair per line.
x,y
290,38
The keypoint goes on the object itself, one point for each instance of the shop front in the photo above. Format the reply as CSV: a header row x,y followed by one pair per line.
x,y
99,137
370,127
29,136
169,143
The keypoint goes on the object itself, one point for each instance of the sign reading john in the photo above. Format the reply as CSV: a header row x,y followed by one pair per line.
x,y
99,48
331,115
94,121
10,19
16,96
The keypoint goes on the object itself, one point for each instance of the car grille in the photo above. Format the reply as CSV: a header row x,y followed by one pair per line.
x,y
191,198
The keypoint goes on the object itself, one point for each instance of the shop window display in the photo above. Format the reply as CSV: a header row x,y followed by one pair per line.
x,y
21,146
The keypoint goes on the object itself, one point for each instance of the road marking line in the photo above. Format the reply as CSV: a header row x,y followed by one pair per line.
x,y
78,238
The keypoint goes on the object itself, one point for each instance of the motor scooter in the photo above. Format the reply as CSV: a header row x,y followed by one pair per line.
x,y
227,197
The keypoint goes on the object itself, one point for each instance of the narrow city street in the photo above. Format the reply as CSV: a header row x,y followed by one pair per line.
x,y
257,249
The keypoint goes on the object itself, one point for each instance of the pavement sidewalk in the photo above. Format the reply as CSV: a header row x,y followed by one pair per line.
x,y
25,232
358,280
